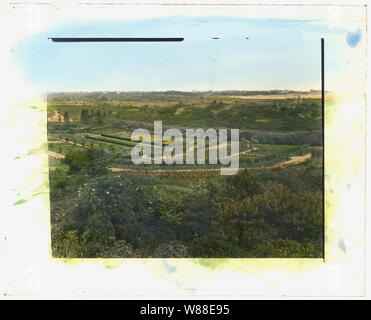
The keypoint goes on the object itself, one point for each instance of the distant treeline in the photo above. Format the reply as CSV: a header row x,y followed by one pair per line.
x,y
125,95
313,138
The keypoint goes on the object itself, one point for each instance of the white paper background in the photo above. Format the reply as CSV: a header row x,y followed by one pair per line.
x,y
26,268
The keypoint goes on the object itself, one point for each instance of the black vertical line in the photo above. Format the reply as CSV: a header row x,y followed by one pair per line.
x,y
126,39
323,142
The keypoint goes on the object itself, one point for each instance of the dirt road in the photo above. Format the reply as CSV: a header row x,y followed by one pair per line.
x,y
55,154
293,161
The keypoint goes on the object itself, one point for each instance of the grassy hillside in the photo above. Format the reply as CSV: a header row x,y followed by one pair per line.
x,y
264,211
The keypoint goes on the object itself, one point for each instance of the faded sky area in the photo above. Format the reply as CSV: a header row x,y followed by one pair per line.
x,y
278,54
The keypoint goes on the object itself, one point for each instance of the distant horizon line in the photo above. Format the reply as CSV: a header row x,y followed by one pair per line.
x,y
189,91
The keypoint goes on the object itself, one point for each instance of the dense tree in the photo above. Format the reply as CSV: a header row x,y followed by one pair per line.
x,y
84,117
77,160
66,117
99,118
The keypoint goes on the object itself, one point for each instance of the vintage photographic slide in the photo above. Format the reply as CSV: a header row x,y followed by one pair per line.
x,y
215,149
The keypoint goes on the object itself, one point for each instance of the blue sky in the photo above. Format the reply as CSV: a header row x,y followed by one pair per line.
x,y
279,54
